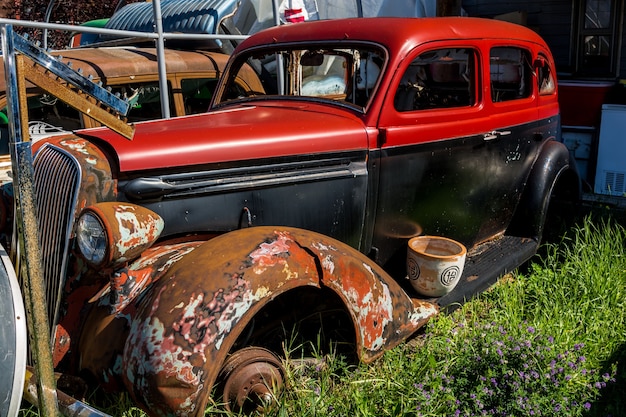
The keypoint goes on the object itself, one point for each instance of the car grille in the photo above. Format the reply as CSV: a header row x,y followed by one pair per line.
x,y
56,182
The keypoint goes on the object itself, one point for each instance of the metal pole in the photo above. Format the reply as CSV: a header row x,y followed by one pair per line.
x,y
28,236
47,20
115,32
280,70
160,46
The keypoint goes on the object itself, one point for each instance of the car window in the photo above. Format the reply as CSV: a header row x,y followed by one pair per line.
x,y
197,93
144,99
342,74
547,84
511,74
437,79
49,109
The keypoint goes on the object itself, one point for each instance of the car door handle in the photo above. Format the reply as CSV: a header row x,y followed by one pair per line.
x,y
494,134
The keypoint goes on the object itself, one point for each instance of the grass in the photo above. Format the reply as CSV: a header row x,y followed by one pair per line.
x,y
549,340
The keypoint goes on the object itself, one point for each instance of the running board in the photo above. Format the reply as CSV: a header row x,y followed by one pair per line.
x,y
485,264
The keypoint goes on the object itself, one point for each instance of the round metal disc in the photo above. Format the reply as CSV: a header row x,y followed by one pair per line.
x,y
12,339
250,377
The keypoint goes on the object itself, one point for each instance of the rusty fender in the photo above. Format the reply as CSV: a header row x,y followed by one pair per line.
x,y
185,328
107,324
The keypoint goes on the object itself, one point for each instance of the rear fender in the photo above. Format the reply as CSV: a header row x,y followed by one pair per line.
x,y
552,163
185,328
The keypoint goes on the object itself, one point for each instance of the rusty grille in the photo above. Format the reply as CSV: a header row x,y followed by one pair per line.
x,y
56,181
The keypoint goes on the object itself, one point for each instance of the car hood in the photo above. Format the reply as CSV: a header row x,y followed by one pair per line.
x,y
245,132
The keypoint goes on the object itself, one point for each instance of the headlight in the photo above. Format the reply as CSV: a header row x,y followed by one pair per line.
x,y
111,234
91,238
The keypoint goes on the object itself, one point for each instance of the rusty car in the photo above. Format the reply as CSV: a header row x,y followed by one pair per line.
x,y
178,263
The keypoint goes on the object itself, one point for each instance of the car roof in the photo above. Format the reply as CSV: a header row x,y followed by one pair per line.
x,y
112,62
395,33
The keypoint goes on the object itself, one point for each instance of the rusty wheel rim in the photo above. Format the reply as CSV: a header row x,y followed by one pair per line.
x,y
250,378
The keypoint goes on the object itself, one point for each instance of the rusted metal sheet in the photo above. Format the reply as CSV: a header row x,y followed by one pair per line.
x,y
186,326
30,266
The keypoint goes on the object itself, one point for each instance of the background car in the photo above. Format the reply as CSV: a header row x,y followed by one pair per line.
x,y
132,73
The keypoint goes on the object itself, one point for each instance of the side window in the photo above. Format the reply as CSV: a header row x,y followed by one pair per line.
x,y
438,79
197,94
545,78
144,98
511,74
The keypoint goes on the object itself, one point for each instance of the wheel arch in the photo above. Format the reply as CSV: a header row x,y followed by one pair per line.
x,y
553,173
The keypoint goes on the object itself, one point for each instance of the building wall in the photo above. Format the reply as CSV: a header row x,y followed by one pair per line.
x,y
552,19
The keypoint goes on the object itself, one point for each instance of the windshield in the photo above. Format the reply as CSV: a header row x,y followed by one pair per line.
x,y
342,75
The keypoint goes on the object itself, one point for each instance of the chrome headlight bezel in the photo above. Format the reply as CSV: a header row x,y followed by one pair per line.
x,y
111,234
91,238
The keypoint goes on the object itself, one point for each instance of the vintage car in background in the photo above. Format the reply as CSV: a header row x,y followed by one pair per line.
x,y
132,73
179,262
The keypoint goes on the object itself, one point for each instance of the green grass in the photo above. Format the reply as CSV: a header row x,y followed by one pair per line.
x,y
548,340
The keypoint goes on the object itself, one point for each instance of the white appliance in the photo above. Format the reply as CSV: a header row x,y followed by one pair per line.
x,y
611,163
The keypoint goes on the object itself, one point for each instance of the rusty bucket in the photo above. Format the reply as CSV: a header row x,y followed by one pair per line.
x,y
435,264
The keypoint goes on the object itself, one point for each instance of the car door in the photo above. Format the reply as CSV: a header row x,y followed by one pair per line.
x,y
449,162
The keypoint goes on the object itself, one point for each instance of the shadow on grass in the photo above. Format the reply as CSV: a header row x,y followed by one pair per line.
x,y
612,400
564,216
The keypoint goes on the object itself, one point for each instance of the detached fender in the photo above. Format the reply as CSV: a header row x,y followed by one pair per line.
x,y
554,162
13,343
186,326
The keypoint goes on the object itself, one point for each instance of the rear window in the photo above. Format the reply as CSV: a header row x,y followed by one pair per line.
x,y
545,77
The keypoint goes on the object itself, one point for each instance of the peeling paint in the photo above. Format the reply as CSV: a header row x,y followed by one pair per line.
x,y
270,253
77,145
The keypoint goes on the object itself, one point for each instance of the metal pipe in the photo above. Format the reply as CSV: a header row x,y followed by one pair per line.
x,y
280,71
117,32
160,47
47,20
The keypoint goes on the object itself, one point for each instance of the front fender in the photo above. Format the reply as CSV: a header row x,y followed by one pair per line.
x,y
185,328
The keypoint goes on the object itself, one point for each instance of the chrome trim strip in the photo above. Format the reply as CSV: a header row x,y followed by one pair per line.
x,y
241,178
